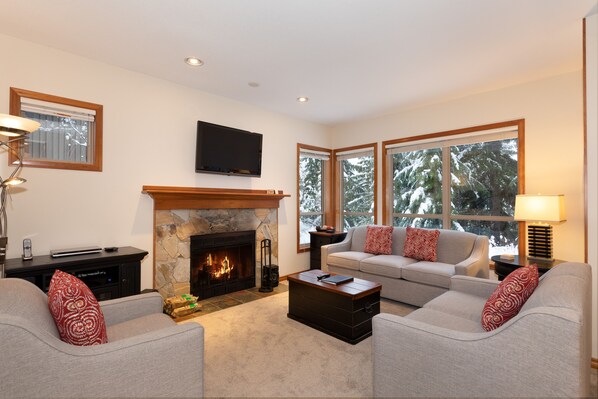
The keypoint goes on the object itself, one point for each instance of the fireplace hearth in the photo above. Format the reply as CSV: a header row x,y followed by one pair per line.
x,y
222,263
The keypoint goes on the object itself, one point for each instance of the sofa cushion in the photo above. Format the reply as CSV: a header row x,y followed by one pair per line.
x,y
445,320
358,238
431,273
139,325
378,240
385,265
399,234
421,244
348,259
508,298
454,246
76,311
459,304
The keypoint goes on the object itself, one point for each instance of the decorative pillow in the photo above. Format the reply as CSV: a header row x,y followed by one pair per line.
x,y
421,244
378,240
508,298
76,311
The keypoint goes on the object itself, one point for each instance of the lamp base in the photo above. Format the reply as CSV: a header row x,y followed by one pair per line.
x,y
539,245
3,243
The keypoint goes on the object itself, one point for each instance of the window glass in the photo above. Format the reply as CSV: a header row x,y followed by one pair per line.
x,y
59,139
417,182
484,178
311,195
468,186
357,190
419,222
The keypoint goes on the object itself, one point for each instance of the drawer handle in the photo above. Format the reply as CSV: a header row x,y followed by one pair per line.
x,y
368,308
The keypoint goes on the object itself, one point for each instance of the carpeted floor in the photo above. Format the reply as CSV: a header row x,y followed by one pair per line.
x,y
255,350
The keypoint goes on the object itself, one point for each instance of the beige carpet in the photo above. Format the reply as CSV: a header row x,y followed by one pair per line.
x,y
255,350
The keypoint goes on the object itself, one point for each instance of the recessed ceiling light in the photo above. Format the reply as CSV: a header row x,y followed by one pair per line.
x,y
254,84
193,61
302,99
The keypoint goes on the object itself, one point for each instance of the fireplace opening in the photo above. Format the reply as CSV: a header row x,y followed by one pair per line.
x,y
222,263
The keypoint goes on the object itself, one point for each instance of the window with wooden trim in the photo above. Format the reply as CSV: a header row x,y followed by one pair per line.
x,y
356,184
464,180
70,135
313,186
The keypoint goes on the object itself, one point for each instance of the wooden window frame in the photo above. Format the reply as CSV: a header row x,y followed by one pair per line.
x,y
518,123
337,181
15,109
328,200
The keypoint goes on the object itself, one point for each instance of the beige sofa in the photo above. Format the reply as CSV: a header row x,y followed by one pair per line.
x,y
405,279
441,350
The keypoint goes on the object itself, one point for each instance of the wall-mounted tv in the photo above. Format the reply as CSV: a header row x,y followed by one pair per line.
x,y
226,150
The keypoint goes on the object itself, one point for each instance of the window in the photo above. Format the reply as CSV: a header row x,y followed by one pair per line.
x,y
313,177
356,182
464,180
70,136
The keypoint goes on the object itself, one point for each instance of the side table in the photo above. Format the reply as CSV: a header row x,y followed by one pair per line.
x,y
502,267
316,240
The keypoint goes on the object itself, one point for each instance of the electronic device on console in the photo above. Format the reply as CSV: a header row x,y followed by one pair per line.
x,y
57,253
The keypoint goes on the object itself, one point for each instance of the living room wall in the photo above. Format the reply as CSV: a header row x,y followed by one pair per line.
x,y
592,158
554,141
149,138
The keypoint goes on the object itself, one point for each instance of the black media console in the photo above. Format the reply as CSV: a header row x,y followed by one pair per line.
x,y
108,274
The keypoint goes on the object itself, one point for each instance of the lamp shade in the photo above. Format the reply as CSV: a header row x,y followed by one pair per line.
x,y
540,208
14,126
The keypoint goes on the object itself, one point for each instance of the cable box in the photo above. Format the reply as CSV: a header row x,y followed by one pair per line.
x,y
59,253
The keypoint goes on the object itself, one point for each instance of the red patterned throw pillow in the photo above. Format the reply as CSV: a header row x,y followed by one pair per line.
x,y
76,311
421,244
508,298
378,240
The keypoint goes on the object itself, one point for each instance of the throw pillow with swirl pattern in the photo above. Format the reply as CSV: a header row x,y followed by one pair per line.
x,y
508,298
76,311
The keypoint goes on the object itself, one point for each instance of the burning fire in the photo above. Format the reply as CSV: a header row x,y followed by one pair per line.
x,y
222,271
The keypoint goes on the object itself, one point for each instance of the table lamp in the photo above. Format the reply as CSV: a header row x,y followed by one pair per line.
x,y
541,211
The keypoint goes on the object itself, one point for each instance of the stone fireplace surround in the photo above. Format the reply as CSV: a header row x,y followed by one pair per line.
x,y
181,212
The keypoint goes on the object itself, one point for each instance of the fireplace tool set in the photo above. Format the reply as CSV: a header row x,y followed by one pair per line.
x,y
269,272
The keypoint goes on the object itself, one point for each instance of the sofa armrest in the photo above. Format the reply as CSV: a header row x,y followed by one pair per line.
x,y
329,249
415,359
481,287
477,265
131,307
163,363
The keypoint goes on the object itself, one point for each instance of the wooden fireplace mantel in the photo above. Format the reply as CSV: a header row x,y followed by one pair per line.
x,y
166,197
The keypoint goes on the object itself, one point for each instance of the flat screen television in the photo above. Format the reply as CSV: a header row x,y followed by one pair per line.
x,y
226,150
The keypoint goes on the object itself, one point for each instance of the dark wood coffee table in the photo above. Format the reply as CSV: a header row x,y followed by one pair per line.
x,y
344,311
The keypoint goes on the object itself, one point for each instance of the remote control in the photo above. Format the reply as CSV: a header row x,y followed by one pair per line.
x,y
323,276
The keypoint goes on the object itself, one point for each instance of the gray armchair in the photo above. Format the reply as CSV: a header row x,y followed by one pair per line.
x,y
147,354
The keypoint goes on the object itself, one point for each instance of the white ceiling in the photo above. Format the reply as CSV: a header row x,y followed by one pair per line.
x,y
353,58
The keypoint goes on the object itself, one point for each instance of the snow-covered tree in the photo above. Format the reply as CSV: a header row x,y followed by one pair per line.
x,y
483,180
310,195
357,191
